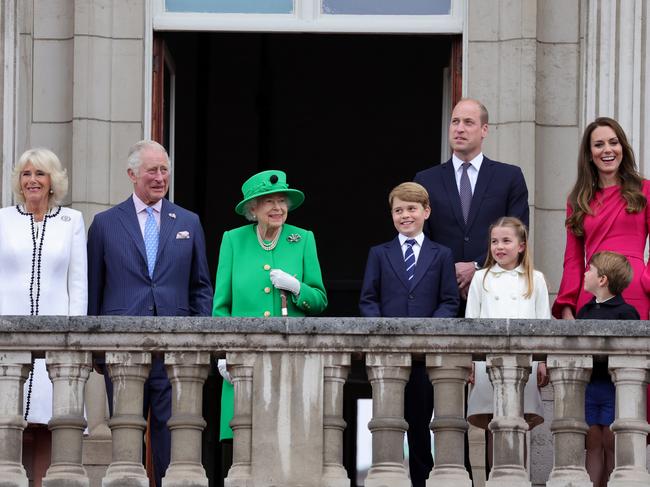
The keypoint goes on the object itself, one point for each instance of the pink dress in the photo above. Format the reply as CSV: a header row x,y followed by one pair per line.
x,y
609,228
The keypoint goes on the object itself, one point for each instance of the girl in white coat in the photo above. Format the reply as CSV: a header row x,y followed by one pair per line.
x,y
507,287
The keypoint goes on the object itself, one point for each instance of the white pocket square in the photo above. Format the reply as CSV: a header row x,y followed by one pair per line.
x,y
183,235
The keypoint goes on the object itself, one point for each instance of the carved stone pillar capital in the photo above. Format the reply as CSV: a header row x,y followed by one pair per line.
x,y
509,374
388,374
128,371
69,372
336,367
630,374
187,372
14,370
448,374
240,366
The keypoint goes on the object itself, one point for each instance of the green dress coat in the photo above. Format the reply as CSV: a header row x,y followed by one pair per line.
x,y
243,286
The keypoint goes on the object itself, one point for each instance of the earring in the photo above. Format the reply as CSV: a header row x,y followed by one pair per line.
x,y
51,191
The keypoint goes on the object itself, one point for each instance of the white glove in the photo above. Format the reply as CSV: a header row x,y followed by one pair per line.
x,y
223,370
282,280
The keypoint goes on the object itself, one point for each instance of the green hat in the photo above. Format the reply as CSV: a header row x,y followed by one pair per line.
x,y
269,182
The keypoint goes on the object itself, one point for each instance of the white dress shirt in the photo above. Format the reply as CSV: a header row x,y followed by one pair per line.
x,y
472,170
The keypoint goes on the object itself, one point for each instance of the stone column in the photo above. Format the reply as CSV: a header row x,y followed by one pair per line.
x,y
508,374
128,371
569,375
448,374
240,366
14,370
630,427
388,374
187,372
69,372
336,369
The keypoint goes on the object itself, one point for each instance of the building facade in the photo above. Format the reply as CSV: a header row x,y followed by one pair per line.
x,y
88,78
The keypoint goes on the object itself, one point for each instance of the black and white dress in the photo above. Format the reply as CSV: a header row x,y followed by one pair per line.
x,y
42,272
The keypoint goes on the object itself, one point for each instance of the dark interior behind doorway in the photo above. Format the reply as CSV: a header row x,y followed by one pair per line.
x,y
346,116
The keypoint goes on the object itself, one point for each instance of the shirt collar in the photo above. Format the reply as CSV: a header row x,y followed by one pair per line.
x,y
418,238
497,269
475,163
140,206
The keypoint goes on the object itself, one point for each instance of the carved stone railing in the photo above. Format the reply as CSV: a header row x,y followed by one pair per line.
x,y
288,377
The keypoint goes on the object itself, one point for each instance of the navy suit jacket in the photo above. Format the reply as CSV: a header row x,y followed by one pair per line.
x,y
500,191
118,279
431,293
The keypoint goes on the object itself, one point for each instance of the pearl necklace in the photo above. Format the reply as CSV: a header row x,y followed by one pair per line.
x,y
271,245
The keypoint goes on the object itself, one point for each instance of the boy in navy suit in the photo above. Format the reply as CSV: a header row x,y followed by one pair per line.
x,y
607,276
412,276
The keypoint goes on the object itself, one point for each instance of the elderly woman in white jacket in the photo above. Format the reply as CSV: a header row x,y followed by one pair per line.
x,y
42,259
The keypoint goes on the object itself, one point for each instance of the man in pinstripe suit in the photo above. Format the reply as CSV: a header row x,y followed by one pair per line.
x,y
166,276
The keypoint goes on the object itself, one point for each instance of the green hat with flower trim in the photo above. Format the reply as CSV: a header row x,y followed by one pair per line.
x,y
269,182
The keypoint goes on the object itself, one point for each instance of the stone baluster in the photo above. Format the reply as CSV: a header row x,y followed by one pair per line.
x,y
630,427
240,366
69,372
128,371
508,374
388,374
14,370
187,372
569,376
448,374
336,369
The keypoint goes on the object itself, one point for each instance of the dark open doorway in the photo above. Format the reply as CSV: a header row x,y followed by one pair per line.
x,y
346,116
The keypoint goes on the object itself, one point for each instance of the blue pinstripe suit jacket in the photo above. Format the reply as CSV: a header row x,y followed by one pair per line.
x,y
118,279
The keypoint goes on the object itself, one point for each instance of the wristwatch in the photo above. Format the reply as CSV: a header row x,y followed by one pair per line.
x,y
476,266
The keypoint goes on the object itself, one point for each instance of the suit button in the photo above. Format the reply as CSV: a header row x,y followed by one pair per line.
x,y
153,284
267,267
267,290
466,239
150,308
496,298
411,296
267,314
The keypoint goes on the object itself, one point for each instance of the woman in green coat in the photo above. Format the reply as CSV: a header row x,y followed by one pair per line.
x,y
267,268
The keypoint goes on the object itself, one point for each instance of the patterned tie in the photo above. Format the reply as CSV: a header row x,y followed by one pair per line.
x,y
409,259
151,240
465,192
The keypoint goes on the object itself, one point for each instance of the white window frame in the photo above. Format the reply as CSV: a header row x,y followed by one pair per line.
x,y
308,17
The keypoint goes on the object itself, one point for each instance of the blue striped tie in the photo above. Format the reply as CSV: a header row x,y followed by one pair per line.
x,y
409,259
151,240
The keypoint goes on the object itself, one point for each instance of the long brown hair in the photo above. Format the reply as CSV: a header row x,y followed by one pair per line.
x,y
588,182
525,260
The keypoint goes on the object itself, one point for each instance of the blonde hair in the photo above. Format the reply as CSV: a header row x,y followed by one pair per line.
x,y
525,260
410,192
48,162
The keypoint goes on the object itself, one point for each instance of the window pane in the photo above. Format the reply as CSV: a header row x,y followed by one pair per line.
x,y
231,6
387,7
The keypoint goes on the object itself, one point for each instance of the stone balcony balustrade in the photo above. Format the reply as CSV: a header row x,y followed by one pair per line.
x,y
288,377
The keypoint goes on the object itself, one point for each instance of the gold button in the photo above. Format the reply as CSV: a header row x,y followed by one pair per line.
x,y
267,267
267,290
267,314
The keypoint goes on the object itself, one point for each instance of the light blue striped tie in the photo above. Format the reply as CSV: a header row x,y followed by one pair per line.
x,y
151,240
409,259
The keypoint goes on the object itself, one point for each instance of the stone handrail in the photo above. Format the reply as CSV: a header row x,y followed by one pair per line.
x,y
288,376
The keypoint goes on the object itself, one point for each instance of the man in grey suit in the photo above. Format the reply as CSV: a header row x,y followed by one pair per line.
x,y
146,257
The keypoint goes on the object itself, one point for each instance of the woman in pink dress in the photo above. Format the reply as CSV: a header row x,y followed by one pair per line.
x,y
607,210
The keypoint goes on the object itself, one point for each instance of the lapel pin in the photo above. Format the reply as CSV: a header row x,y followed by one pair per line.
x,y
172,215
